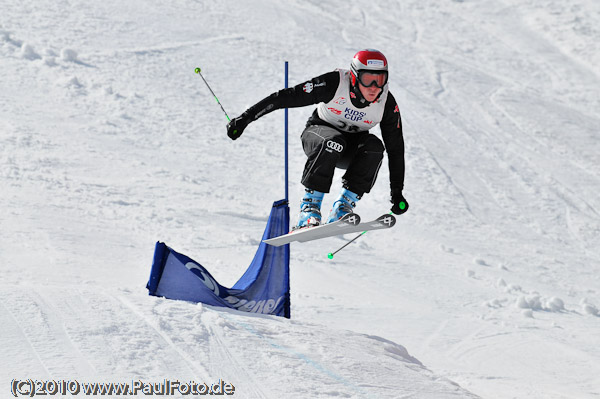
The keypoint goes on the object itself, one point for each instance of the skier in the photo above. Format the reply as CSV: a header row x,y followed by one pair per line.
x,y
350,102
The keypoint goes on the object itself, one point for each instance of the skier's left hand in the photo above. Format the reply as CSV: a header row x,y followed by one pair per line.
x,y
399,203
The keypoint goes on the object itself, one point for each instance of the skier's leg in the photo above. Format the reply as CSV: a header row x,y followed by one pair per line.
x,y
361,173
364,167
324,146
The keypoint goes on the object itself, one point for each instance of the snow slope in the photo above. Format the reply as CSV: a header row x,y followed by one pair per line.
x,y
488,286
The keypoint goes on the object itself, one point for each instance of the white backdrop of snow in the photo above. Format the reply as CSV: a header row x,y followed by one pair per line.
x,y
109,142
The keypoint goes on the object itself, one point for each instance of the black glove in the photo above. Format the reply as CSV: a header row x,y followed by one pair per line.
x,y
399,203
236,126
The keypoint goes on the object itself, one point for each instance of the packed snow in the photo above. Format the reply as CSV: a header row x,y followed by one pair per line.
x,y
488,287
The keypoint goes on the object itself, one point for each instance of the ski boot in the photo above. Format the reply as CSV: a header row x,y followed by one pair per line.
x,y
310,209
343,205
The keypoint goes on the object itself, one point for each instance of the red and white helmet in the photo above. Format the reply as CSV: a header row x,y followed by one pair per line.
x,y
369,67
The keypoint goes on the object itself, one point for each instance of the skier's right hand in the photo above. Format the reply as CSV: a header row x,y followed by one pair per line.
x,y
236,126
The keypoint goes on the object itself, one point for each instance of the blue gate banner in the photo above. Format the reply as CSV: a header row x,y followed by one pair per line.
x,y
264,288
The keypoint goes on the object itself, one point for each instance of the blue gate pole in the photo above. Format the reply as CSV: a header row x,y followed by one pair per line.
x,y
286,139
288,306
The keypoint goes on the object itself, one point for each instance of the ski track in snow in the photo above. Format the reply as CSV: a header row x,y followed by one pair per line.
x,y
109,142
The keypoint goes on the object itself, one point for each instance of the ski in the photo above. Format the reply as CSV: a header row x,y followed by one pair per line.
x,y
316,232
346,225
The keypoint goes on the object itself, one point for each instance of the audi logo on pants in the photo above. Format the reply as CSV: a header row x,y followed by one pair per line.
x,y
335,146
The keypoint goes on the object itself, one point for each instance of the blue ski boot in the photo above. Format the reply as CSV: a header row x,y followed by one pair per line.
x,y
310,209
343,205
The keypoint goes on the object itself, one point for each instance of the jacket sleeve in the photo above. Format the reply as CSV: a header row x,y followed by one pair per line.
x,y
319,89
391,132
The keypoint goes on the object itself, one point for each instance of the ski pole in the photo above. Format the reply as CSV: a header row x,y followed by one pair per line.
x,y
331,254
198,71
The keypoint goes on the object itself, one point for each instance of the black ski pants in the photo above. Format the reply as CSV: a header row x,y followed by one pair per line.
x,y
327,148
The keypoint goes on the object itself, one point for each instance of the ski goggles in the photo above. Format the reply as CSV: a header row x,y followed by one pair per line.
x,y
377,79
